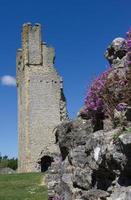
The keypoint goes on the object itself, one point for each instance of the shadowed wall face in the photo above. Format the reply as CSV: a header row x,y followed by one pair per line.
x,y
41,105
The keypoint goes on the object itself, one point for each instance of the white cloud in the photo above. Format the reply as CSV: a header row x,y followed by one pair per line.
x,y
8,80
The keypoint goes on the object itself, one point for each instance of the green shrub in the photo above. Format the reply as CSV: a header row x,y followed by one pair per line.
x,y
7,162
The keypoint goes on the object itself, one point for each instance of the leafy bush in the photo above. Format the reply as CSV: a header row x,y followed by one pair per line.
x,y
12,163
6,162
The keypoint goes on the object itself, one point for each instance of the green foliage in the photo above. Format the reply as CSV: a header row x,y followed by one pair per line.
x,y
116,136
7,162
120,132
128,130
22,187
12,163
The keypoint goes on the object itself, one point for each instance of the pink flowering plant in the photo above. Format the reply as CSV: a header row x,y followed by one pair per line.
x,y
94,100
121,107
111,90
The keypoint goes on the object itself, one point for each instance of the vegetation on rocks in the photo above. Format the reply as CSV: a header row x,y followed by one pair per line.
x,y
96,146
112,89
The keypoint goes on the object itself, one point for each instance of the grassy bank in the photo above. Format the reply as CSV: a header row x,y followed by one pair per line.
x,y
22,187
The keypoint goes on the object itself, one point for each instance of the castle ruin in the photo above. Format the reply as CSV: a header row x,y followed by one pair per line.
x,y
41,102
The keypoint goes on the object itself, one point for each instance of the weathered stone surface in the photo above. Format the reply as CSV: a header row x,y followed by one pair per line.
x,y
93,164
78,156
96,162
116,51
82,178
125,139
95,195
41,102
72,134
7,170
121,194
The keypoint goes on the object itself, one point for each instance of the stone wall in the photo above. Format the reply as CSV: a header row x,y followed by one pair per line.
x,y
40,103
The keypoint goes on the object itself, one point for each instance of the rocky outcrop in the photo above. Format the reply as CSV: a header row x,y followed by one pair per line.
x,y
94,159
93,165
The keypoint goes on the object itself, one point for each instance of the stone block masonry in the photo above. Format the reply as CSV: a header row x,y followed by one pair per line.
x,y
41,101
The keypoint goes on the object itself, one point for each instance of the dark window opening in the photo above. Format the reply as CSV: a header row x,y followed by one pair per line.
x,y
46,163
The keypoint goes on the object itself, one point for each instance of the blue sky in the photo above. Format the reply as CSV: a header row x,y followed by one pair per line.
x,y
80,31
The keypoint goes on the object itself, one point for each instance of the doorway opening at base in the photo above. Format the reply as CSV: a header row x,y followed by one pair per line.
x,y
46,163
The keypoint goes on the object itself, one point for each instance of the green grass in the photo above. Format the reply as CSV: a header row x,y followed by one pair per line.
x,y
22,187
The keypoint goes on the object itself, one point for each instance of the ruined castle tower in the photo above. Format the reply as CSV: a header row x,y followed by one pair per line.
x,y
41,102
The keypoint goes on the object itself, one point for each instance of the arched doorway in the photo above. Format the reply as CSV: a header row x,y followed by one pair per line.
x,y
46,163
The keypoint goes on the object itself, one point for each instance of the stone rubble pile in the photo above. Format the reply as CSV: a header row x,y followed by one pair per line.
x,y
94,165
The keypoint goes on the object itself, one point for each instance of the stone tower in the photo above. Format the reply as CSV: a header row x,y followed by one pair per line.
x,y
41,102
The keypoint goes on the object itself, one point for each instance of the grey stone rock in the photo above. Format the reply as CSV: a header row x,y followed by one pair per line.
x,y
125,139
82,178
7,170
93,164
121,194
78,156
95,194
116,51
71,134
